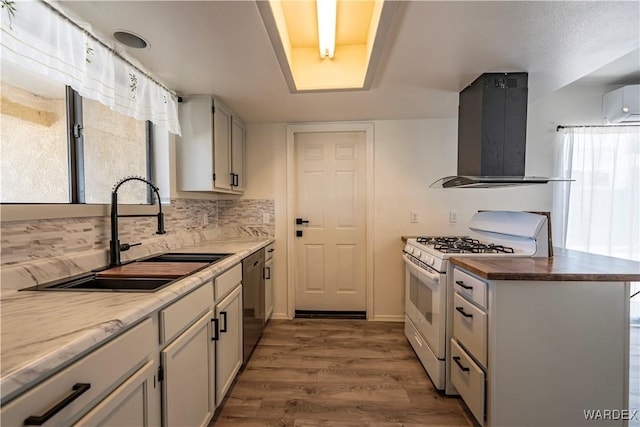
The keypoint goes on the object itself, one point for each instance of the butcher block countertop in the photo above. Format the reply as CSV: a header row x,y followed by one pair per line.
x,y
172,270
565,265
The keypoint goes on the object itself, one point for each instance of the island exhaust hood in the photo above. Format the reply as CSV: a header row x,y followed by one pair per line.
x,y
492,128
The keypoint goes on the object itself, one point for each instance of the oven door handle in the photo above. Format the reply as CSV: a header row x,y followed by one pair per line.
x,y
425,276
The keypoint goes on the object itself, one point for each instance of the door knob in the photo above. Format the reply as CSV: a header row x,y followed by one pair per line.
x,y
301,221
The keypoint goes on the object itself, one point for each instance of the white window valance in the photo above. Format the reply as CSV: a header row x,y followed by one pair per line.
x,y
39,37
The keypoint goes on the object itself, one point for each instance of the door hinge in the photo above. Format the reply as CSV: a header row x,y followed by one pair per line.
x,y
77,130
160,373
214,176
213,109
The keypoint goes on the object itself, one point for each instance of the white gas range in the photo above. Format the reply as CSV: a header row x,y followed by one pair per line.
x,y
429,293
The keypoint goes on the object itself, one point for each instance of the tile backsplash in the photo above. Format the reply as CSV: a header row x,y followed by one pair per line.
x,y
23,241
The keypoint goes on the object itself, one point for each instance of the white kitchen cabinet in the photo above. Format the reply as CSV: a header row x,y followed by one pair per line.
x,y
237,155
268,281
210,152
229,346
67,396
188,386
130,404
187,368
539,352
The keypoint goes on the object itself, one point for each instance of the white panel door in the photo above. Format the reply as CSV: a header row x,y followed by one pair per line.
x,y
331,194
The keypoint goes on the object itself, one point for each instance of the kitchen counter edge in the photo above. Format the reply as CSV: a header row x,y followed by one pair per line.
x,y
565,265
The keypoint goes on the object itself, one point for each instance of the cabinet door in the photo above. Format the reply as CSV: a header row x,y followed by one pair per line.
x,y
221,147
135,403
194,149
237,155
268,289
188,389
229,348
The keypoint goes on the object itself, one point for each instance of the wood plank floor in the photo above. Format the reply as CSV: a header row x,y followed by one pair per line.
x,y
329,372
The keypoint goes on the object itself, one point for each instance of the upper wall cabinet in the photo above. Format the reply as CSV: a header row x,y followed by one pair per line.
x,y
210,153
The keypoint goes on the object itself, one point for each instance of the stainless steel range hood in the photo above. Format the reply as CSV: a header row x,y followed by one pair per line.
x,y
492,128
460,181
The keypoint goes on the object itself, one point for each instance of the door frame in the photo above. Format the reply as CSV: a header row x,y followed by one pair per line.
x,y
368,129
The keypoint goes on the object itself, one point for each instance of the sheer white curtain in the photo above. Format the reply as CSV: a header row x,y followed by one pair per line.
x,y
45,41
599,212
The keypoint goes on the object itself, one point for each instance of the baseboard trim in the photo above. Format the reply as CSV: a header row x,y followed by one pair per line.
x,y
389,318
330,314
280,316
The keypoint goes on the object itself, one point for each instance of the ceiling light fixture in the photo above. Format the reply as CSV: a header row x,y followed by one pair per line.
x,y
326,27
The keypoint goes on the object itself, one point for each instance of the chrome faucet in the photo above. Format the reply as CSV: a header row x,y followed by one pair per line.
x,y
114,244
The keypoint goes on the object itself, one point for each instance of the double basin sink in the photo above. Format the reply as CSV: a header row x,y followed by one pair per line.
x,y
124,279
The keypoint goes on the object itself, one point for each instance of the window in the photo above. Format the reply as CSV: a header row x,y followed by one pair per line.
x,y
600,211
42,160
33,140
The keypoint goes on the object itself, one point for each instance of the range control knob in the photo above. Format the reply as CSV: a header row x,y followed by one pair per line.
x,y
417,253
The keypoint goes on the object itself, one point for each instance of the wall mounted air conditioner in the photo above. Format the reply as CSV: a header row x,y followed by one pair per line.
x,y
622,105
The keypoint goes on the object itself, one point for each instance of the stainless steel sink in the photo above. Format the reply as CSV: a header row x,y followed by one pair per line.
x,y
186,257
113,284
92,282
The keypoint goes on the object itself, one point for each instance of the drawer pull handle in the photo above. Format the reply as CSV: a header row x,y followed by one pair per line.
x,y
457,360
38,420
461,283
223,314
461,311
267,273
216,334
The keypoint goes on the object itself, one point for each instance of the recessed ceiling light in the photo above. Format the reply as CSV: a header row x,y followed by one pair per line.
x,y
130,39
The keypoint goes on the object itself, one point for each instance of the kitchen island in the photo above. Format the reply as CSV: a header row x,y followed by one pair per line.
x,y
46,331
542,341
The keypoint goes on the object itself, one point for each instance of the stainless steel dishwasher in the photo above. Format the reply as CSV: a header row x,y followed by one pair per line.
x,y
253,301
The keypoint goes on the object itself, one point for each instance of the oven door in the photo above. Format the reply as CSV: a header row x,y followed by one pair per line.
x,y
426,304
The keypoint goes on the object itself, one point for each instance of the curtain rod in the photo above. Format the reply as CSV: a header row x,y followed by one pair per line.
x,y
594,126
74,23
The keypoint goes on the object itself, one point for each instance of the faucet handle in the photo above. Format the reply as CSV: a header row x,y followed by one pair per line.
x,y
127,246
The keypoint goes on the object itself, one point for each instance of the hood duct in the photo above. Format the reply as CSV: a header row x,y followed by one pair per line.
x,y
492,130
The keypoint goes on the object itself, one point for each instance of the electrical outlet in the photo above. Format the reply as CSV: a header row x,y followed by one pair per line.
x,y
453,217
205,219
414,216
265,218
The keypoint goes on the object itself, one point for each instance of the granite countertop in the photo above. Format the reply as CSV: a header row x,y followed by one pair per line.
x,y
45,331
565,265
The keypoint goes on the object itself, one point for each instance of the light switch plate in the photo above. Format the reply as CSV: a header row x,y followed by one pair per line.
x,y
453,217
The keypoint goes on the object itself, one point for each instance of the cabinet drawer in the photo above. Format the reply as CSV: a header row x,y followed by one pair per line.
x,y
182,313
468,379
103,369
470,328
227,281
471,287
268,251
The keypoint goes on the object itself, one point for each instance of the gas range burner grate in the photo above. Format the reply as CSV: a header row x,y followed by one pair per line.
x,y
463,245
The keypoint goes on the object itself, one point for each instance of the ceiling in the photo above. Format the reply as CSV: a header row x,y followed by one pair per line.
x,y
432,51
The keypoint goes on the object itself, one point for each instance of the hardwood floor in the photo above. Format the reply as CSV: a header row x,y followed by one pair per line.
x,y
327,372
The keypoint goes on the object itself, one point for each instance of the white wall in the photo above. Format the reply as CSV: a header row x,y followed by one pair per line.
x,y
410,155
